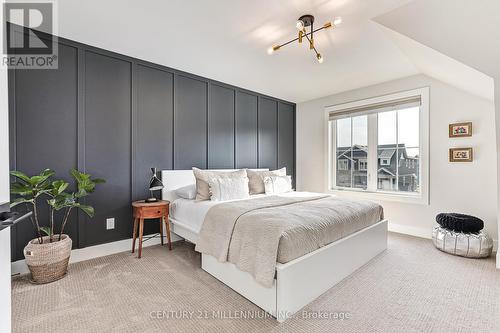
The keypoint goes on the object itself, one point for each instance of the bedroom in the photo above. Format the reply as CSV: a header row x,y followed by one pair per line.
x,y
299,186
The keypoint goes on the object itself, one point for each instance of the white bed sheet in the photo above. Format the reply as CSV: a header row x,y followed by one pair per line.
x,y
191,213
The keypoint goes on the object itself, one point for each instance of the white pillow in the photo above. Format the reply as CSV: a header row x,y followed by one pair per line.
x,y
256,179
227,188
203,176
277,184
187,192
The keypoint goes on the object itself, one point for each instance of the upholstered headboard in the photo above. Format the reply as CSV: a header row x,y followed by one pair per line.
x,y
174,179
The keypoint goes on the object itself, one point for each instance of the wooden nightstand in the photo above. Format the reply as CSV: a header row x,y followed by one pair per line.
x,y
150,210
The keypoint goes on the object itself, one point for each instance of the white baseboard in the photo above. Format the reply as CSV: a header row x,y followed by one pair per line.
x,y
20,267
425,233
409,230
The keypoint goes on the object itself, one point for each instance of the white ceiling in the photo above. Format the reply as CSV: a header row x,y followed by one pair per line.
x,y
226,40
444,68
467,30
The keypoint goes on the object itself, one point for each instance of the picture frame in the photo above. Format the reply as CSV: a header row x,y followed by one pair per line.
x,y
461,155
458,130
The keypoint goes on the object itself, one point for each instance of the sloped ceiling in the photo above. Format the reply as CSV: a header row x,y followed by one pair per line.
x,y
226,40
468,31
443,68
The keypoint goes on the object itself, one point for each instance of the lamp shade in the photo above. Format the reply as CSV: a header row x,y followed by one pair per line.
x,y
155,184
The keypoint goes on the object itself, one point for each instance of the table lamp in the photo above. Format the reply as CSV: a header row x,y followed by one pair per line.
x,y
154,185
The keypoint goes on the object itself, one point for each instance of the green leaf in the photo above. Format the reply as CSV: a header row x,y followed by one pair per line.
x,y
21,176
62,200
58,187
46,230
98,181
47,172
85,184
21,189
38,180
19,201
81,193
77,175
89,210
41,178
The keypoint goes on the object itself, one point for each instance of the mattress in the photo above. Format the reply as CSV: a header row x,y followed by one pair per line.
x,y
191,213
255,234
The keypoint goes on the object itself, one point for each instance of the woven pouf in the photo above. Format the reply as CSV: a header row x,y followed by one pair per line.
x,y
48,262
470,245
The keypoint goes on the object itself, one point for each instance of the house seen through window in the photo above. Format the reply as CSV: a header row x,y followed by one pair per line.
x,y
377,148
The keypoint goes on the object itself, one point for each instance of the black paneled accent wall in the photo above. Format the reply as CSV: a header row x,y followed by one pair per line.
x,y
115,117
246,130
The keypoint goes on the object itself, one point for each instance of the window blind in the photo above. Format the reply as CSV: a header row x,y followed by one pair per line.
x,y
398,104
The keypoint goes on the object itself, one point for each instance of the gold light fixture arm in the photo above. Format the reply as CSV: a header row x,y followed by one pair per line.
x,y
303,22
311,46
304,34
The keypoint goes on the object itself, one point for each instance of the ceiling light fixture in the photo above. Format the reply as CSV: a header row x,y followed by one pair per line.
x,y
337,20
303,22
320,58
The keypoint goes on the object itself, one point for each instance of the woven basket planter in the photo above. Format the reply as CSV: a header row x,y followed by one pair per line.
x,y
48,262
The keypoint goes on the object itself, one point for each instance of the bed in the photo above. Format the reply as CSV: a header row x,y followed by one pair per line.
x,y
297,277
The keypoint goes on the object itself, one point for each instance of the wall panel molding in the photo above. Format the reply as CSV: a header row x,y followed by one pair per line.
x,y
221,131
267,119
147,115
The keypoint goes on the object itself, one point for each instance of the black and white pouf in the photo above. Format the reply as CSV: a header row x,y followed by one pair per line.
x,y
461,235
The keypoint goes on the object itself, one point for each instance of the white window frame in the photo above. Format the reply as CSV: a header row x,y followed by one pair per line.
x,y
419,198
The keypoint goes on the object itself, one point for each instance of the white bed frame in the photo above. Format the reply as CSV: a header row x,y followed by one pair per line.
x,y
297,282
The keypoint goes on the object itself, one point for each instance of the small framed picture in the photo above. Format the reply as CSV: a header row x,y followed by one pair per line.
x,y
461,155
460,129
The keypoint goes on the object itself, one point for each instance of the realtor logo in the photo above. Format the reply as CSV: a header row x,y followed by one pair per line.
x,y
29,41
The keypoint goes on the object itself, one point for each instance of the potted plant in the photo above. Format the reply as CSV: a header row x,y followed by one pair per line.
x,y
47,255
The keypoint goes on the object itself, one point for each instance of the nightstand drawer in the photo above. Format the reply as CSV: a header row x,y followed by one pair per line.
x,y
150,212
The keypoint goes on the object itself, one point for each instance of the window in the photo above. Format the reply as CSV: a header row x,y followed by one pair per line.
x,y
351,141
379,146
385,161
363,164
398,134
343,164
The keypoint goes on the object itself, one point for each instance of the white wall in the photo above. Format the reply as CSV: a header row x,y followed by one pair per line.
x,y
5,281
4,138
469,188
5,284
497,125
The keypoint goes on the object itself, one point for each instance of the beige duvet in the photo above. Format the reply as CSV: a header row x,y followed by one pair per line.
x,y
254,234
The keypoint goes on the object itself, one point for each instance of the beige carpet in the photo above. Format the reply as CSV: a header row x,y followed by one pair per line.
x,y
412,287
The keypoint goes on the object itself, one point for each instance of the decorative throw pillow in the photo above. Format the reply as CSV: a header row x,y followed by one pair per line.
x,y
256,179
228,188
187,192
277,184
203,176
